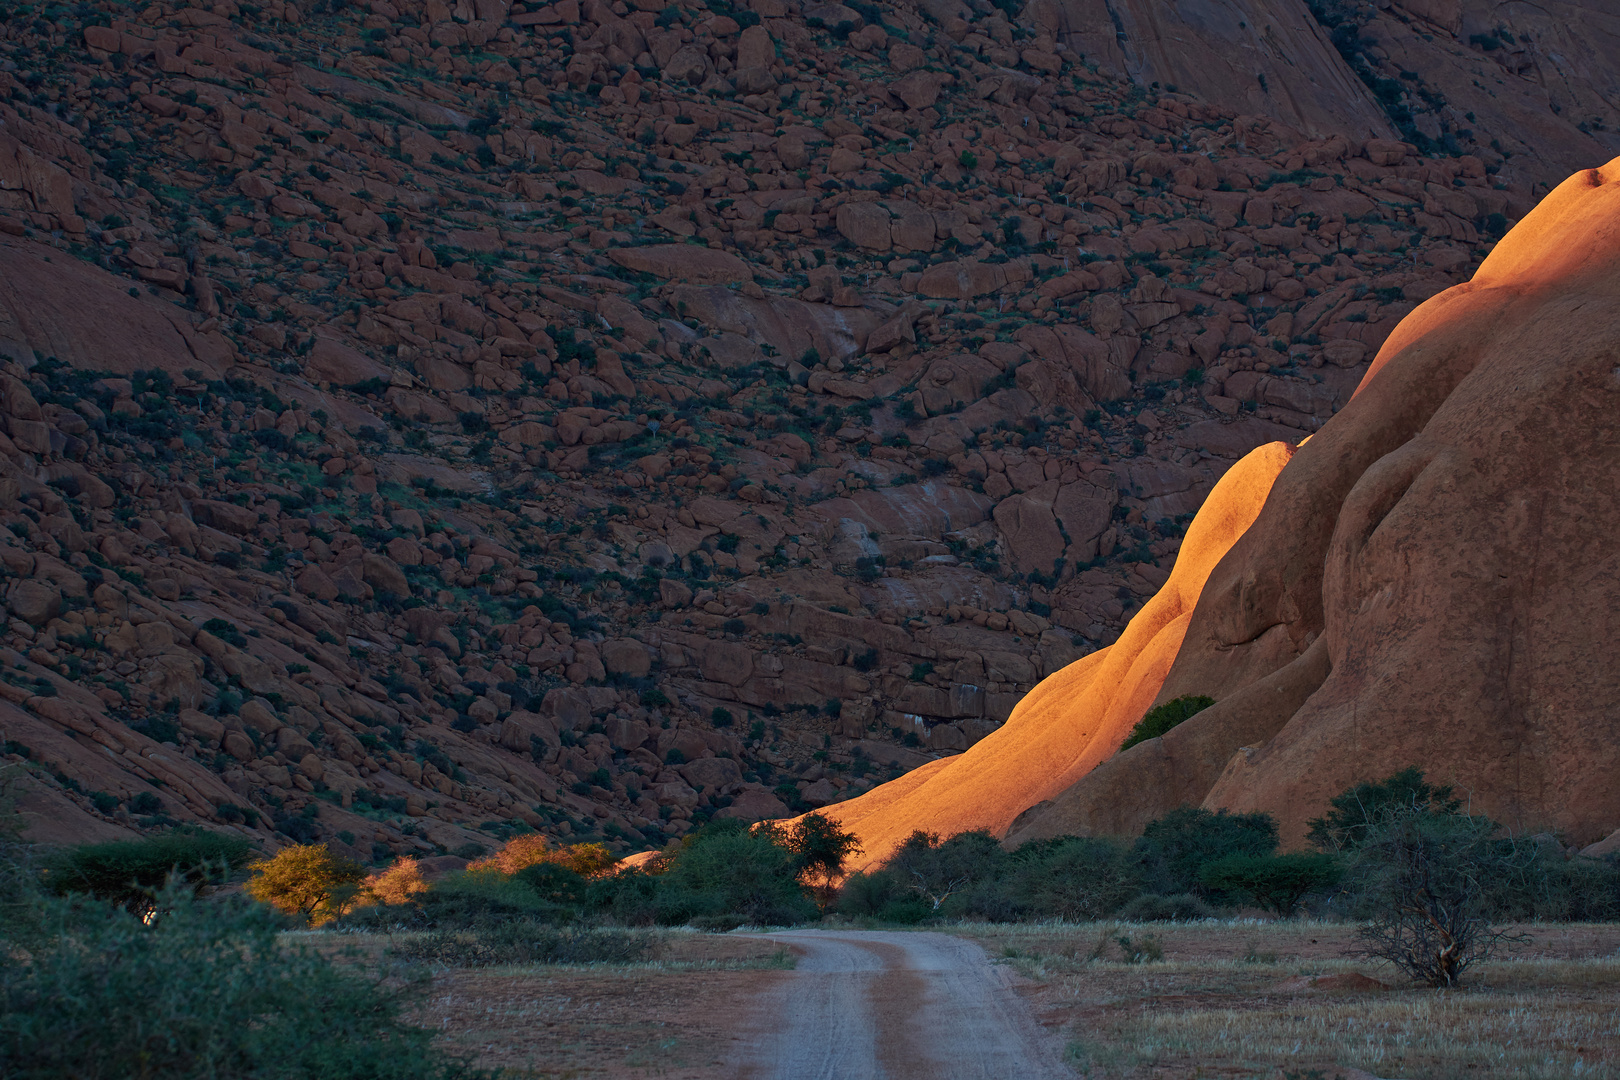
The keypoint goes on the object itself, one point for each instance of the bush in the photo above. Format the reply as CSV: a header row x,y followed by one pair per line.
x,y
1176,847
459,902
725,868
1151,907
555,883
935,870
1161,718
864,894
1585,890
723,874
487,889
128,872
1424,880
397,884
1366,806
532,849
206,990
306,880
820,848
1145,949
1277,882
1073,877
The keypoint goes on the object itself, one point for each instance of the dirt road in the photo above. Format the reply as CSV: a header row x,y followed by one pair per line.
x,y
870,1005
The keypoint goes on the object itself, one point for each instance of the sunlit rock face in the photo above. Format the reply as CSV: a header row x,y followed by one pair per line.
x,y
1430,580
1076,718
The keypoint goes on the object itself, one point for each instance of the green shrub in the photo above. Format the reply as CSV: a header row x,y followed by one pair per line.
x,y
820,849
1151,907
1073,877
483,896
630,897
226,631
1577,890
127,872
555,883
725,868
1359,809
1161,718
864,894
1523,877
1277,882
907,911
1424,882
1146,949
935,870
207,990
1175,848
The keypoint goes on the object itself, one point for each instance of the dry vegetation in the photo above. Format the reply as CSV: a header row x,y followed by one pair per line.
x,y
672,1016
1228,999
1235,999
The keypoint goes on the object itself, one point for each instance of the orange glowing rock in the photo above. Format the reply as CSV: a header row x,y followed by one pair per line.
x,y
1432,581
1076,717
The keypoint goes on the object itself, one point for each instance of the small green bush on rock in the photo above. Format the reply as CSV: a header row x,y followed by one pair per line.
x,y
1161,718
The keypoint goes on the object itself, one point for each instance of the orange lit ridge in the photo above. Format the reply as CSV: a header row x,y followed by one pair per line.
x,y
1076,717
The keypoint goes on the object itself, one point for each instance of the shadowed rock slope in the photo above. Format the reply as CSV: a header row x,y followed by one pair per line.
x,y
426,420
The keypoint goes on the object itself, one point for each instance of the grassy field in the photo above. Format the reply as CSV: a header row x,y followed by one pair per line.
x,y
672,1015
1281,999
1228,999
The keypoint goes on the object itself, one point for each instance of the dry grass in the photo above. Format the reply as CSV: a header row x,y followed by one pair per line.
x,y
674,1016
1230,999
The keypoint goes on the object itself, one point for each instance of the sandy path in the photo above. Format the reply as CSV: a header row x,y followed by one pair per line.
x,y
870,1005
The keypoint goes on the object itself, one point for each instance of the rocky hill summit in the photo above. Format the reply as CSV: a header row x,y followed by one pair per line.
x,y
1432,581
428,421
1427,581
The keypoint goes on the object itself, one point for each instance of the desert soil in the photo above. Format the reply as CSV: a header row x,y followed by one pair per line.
x,y
1278,1000
893,1005
1227,1000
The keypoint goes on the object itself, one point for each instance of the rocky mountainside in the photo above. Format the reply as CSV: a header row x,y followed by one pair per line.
x,y
427,420
1537,85
1432,580
1427,581
1532,89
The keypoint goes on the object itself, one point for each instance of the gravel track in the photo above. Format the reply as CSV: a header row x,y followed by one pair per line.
x,y
872,1005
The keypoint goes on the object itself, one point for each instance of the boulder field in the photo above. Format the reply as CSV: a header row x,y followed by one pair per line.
x,y
1430,581
425,420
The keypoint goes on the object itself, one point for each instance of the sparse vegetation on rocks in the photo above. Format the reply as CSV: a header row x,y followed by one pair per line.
x,y
531,417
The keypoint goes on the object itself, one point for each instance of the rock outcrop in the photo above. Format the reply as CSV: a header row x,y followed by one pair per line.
x,y
1531,88
1076,718
1432,581
420,421
1259,57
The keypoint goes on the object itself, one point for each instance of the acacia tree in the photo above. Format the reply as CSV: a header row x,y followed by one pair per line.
x,y
307,880
821,849
1278,882
1425,879
1359,810
937,869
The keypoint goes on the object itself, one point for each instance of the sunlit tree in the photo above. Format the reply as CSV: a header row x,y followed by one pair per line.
x,y
307,880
